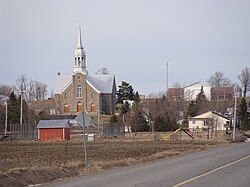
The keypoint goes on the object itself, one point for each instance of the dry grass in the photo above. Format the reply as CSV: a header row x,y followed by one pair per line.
x,y
24,163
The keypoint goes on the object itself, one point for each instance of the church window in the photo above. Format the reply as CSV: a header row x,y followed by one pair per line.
x,y
65,96
79,61
92,107
79,107
75,62
79,91
66,108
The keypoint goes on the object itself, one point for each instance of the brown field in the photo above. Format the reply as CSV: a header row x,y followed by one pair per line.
x,y
24,163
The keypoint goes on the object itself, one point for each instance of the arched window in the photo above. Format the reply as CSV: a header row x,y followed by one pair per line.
x,y
75,62
66,108
79,91
79,107
92,107
79,61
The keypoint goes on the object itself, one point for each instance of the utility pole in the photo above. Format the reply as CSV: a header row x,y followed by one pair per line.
x,y
84,140
235,106
21,109
167,78
98,120
6,116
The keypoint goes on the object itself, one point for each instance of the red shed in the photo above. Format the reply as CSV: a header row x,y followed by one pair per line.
x,y
53,130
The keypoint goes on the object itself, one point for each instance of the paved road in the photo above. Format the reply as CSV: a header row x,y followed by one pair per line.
x,y
224,166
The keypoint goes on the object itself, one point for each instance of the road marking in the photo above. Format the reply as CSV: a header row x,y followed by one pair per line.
x,y
204,174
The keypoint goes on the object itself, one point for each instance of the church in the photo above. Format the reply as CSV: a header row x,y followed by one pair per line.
x,y
82,91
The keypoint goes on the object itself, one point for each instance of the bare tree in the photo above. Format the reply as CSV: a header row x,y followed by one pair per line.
x,y
40,90
103,71
218,80
5,89
238,89
21,84
244,78
156,95
177,85
32,89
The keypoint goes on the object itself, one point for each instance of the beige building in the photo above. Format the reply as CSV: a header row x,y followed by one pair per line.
x,y
211,118
81,91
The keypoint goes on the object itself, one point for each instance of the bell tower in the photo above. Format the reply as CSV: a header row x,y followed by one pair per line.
x,y
79,56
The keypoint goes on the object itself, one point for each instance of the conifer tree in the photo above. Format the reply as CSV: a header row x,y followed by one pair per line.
x,y
192,109
244,115
125,92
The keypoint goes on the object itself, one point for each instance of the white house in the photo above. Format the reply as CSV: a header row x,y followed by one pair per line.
x,y
210,118
191,91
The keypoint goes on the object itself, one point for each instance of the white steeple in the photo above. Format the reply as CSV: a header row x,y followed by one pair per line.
x,y
80,56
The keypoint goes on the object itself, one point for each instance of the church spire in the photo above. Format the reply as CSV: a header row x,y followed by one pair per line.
x,y
79,39
80,56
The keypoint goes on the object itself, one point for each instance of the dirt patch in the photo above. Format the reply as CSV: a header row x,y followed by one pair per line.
x,y
25,163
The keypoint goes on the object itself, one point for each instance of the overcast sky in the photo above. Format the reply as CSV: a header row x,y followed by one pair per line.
x,y
134,39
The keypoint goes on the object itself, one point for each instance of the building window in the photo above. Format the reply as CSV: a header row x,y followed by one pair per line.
x,y
92,107
79,107
65,96
75,61
79,61
91,95
79,91
193,121
66,108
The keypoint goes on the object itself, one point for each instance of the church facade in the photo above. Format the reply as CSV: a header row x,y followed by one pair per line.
x,y
81,91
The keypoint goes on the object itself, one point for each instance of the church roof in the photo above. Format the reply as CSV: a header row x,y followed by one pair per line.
x,y
62,82
101,83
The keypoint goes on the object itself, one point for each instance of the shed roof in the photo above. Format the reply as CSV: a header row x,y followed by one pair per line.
x,y
62,123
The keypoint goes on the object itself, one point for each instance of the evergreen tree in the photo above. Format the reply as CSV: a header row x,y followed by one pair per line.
x,y
192,109
125,92
14,109
162,123
201,102
244,115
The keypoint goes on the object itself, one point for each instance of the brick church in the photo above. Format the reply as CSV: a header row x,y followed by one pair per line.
x,y
81,91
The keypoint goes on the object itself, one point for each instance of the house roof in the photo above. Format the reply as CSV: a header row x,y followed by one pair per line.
x,y
3,97
42,104
198,84
222,90
207,115
101,83
175,91
62,123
